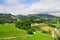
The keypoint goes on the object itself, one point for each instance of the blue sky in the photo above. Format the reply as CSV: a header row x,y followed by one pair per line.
x,y
29,2
25,7
1,2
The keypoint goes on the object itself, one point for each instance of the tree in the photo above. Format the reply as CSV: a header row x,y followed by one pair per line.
x,y
2,21
30,31
25,24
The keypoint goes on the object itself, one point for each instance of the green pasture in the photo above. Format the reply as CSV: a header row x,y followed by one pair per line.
x,y
8,30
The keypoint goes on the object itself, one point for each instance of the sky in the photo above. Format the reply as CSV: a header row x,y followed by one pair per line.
x,y
25,7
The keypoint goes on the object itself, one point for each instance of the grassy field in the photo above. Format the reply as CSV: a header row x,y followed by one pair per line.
x,y
57,25
43,27
7,30
38,36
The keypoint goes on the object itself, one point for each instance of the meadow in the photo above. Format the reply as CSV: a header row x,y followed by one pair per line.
x,y
8,30
57,25
36,36
40,36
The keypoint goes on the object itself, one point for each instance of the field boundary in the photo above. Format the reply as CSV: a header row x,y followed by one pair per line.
x,y
13,37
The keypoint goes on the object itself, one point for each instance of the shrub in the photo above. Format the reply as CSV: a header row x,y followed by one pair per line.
x,y
58,38
43,31
52,25
30,31
35,28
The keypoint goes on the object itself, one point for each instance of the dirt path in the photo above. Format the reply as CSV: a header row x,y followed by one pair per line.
x,y
8,38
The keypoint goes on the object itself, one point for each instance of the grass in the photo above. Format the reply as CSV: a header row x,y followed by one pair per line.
x,y
40,36
43,27
57,25
7,30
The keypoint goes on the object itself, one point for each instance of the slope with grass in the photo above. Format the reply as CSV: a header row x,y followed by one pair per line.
x,y
7,30
57,25
40,36
37,36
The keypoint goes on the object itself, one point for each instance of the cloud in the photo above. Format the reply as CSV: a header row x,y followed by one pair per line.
x,y
45,6
19,9
3,9
42,6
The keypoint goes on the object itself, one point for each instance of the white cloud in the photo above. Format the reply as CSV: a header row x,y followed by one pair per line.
x,y
49,6
3,9
43,6
19,9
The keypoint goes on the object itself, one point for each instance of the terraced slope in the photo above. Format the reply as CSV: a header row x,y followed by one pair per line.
x,y
7,30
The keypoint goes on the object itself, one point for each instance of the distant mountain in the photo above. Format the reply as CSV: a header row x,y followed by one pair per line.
x,y
21,16
7,18
43,15
37,16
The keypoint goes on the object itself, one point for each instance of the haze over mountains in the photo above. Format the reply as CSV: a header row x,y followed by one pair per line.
x,y
9,18
24,16
39,15
12,18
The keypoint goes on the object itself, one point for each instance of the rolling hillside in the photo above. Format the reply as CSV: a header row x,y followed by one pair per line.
x,y
7,18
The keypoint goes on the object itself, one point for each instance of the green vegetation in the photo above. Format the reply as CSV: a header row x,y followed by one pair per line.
x,y
8,30
57,25
31,27
37,36
40,36
7,18
25,24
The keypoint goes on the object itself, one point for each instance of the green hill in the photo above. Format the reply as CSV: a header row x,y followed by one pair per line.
x,y
40,36
37,36
7,18
8,30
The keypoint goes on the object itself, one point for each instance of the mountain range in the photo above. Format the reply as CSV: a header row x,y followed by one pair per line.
x,y
11,18
37,15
